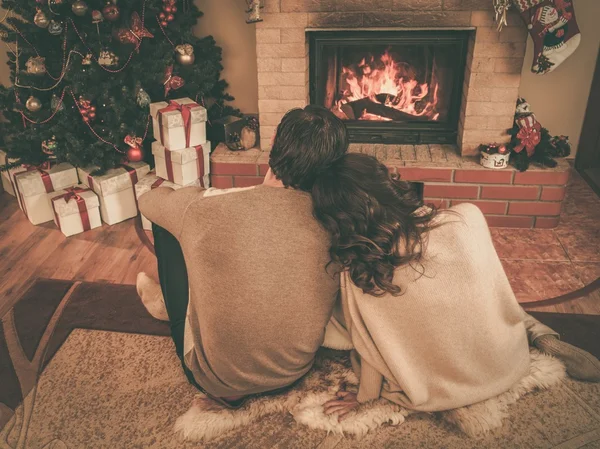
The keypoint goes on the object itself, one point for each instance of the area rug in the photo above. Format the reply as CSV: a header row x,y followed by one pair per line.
x,y
82,365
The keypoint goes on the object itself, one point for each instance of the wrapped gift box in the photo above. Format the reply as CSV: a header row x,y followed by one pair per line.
x,y
179,123
183,166
76,210
115,190
152,181
32,186
7,183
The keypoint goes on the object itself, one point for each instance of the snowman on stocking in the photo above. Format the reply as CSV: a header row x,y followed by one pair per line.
x,y
554,31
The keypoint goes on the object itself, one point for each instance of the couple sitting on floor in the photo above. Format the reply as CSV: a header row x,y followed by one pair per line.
x,y
332,250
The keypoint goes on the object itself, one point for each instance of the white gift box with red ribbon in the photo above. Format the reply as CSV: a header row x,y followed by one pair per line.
x,y
115,190
32,186
76,210
7,184
183,166
179,123
152,181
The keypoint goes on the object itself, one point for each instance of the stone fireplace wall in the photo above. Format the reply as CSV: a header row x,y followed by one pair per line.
x,y
492,74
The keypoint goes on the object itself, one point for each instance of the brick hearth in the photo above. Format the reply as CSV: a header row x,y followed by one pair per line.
x,y
507,197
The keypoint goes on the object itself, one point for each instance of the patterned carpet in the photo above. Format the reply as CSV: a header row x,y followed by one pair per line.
x,y
82,365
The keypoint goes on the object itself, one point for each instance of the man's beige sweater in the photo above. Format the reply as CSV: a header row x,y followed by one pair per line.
x,y
260,296
456,335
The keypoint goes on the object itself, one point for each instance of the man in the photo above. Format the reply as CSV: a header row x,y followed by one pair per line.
x,y
255,258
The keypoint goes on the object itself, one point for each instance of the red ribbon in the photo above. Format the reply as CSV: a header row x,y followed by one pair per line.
x,y
73,194
134,179
200,155
186,114
157,183
169,164
45,179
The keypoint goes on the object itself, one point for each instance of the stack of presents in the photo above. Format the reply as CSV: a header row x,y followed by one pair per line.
x,y
79,200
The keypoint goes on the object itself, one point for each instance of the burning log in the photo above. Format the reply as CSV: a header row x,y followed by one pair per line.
x,y
355,109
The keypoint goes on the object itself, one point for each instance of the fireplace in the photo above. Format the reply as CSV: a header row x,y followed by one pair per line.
x,y
390,86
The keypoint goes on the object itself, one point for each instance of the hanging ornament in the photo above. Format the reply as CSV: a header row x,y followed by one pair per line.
x,y
185,54
33,104
88,112
135,33
108,58
172,82
253,11
500,9
111,12
79,8
135,152
56,104
142,98
49,147
41,19
169,8
87,60
36,65
55,28
97,16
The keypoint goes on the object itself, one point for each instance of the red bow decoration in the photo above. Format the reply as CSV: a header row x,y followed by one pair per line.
x,y
186,114
73,194
135,33
530,138
133,141
172,82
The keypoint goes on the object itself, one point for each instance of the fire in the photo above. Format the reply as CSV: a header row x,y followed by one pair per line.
x,y
385,86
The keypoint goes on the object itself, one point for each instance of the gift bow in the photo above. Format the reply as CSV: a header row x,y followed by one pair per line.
x,y
72,193
132,141
530,138
186,114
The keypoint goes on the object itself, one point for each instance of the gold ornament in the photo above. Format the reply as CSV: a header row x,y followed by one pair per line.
x,y
36,65
33,104
41,19
87,60
79,8
108,59
185,54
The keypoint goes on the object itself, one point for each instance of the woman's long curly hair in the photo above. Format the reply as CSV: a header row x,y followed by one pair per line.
x,y
371,219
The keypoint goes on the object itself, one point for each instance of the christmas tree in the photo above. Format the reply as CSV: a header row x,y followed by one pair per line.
x,y
85,71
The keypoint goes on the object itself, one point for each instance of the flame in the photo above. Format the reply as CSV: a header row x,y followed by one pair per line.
x,y
390,83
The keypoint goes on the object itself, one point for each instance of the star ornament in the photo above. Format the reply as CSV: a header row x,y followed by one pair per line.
x,y
135,33
172,82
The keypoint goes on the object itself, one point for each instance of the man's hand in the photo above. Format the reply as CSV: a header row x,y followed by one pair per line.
x,y
345,403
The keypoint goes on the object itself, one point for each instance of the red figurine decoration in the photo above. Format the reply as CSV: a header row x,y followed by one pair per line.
x,y
135,33
167,14
172,82
88,112
135,152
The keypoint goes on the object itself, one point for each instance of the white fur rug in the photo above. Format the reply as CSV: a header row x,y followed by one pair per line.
x,y
331,373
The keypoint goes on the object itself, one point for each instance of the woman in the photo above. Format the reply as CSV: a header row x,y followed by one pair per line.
x,y
425,301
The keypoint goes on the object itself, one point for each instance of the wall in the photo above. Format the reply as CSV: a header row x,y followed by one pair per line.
x,y
559,98
225,20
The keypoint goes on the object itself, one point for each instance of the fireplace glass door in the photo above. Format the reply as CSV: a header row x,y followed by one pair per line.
x,y
390,86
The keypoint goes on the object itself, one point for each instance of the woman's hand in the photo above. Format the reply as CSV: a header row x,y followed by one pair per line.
x,y
345,403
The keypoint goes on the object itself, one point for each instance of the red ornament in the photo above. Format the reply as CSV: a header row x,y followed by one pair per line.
x,y
164,23
162,16
172,82
170,18
135,33
168,9
87,111
111,12
173,9
135,152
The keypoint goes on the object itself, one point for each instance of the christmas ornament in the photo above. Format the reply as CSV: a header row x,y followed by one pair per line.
x,y
79,8
108,58
87,60
253,11
185,54
97,16
56,104
33,104
167,15
41,19
554,32
36,65
142,98
55,28
135,152
49,147
111,12
500,8
88,112
172,82
135,33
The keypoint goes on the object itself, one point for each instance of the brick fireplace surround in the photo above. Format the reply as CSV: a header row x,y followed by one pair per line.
x,y
451,173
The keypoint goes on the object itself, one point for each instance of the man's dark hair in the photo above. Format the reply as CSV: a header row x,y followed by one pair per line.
x,y
307,142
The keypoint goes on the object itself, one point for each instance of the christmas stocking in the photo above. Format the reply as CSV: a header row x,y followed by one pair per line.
x,y
554,31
